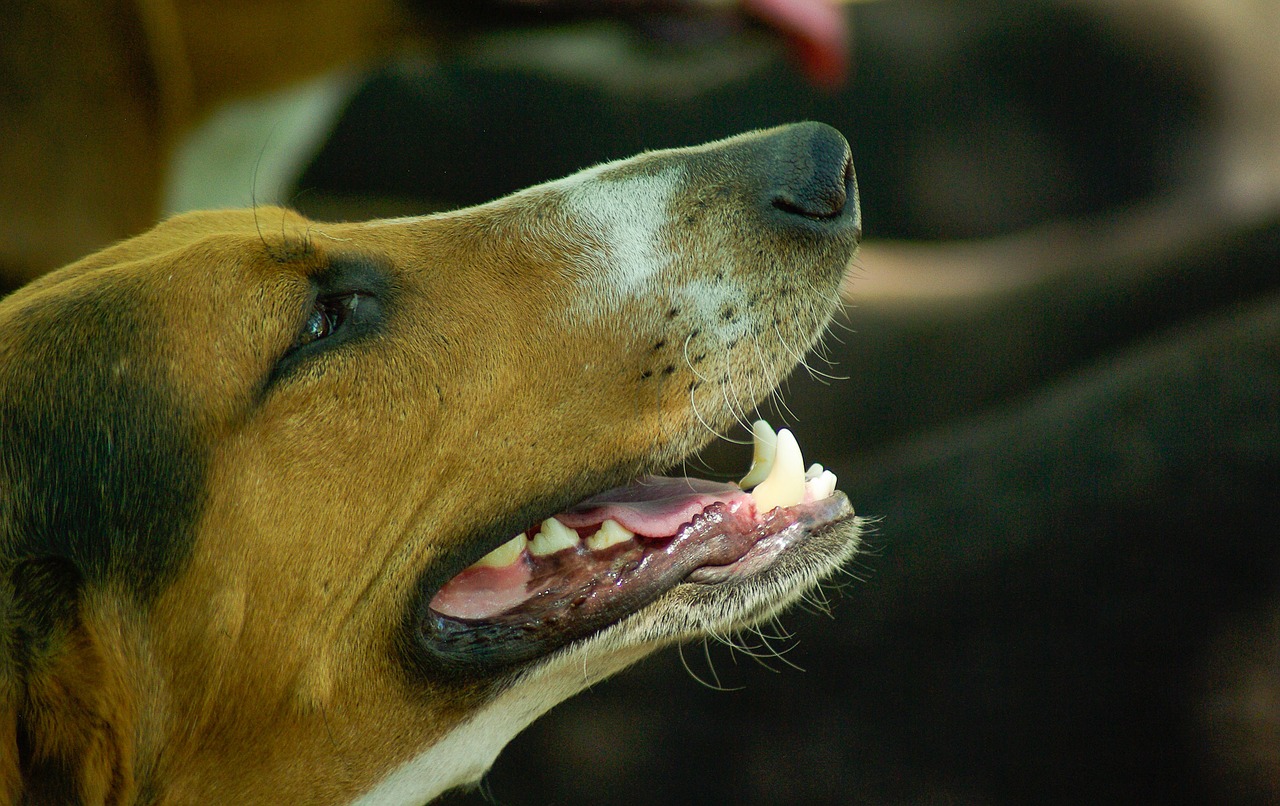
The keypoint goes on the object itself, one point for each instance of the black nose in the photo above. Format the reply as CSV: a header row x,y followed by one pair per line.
x,y
811,174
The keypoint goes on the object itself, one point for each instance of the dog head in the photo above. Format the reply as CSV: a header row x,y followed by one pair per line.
x,y
260,476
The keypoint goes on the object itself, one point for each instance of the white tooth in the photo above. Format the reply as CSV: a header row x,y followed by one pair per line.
x,y
822,486
505,554
554,536
611,533
784,486
813,472
765,443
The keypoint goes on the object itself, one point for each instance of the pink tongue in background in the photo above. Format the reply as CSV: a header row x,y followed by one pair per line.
x,y
654,506
818,31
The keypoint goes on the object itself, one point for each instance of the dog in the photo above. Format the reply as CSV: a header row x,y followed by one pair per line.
x,y
260,476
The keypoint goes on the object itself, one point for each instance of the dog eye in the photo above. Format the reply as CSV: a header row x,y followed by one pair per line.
x,y
327,317
346,306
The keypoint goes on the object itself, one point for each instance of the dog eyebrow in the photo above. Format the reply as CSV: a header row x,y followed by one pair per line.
x,y
355,272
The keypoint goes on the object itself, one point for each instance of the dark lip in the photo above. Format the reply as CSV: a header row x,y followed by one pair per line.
x,y
721,545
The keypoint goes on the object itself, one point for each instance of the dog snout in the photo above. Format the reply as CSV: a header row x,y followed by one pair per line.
x,y
810,177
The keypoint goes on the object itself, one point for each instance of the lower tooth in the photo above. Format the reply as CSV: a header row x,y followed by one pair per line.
x,y
552,537
611,533
505,554
822,486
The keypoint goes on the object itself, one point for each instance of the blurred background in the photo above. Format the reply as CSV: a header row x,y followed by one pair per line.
x,y
1058,369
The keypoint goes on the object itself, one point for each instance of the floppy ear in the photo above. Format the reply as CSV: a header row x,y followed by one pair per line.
x,y
96,507
67,717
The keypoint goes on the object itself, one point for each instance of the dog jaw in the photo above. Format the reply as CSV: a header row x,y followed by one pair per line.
x,y
695,271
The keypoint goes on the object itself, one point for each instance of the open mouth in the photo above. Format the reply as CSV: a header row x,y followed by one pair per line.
x,y
617,551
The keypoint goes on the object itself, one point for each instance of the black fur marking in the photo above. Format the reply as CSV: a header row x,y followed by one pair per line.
x,y
100,465
48,781
45,601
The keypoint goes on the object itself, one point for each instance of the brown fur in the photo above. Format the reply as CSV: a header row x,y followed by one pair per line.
x,y
94,96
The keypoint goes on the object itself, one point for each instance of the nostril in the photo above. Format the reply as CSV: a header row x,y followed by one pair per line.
x,y
822,194
828,204
813,175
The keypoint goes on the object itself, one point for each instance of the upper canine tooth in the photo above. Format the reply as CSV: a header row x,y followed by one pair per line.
x,y
784,486
611,533
552,537
765,443
505,554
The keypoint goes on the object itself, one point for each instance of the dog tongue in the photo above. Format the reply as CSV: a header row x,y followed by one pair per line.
x,y
818,32
654,506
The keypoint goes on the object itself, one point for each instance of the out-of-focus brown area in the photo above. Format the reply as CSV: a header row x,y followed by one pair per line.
x,y
1060,361
86,112
95,96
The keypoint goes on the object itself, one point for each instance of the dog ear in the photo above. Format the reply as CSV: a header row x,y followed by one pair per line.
x,y
67,718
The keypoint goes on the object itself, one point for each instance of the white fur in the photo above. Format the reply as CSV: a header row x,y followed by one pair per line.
x,y
469,750
627,217
466,753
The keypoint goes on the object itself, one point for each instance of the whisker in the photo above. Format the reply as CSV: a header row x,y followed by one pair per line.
x,y
689,363
735,406
693,404
710,665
